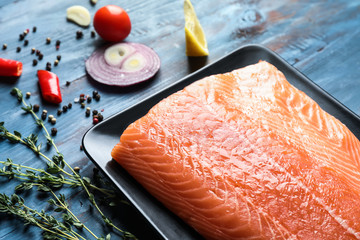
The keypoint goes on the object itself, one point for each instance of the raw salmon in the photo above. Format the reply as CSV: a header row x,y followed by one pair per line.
x,y
245,155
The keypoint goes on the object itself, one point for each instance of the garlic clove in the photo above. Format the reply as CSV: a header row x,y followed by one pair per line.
x,y
79,15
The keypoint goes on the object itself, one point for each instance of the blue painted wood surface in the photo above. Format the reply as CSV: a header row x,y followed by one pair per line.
x,y
320,38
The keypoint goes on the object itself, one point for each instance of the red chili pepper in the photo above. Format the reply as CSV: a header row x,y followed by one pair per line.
x,y
10,68
50,88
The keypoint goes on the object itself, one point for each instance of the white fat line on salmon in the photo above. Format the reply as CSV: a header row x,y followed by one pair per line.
x,y
331,212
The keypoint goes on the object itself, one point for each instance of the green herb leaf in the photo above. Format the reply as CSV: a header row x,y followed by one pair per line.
x,y
17,93
43,188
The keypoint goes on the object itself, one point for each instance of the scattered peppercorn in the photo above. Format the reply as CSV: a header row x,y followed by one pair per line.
x,y
53,120
48,68
48,40
50,117
37,52
43,115
88,99
65,108
68,83
94,112
97,97
58,57
21,37
87,113
59,112
56,62
35,62
70,105
82,105
28,94
40,56
58,42
95,120
77,169
34,29
82,99
4,46
32,50
81,147
36,107
18,49
53,131
79,34
95,93
26,42
100,117
93,34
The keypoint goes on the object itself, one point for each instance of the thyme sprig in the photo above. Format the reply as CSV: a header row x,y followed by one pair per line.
x,y
54,177
52,228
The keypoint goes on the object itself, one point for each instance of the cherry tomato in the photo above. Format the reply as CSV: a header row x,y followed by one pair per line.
x,y
112,23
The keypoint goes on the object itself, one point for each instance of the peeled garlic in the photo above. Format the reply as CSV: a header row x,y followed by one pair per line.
x,y
79,15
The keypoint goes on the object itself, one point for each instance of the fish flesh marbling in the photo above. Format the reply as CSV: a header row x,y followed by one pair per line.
x,y
245,155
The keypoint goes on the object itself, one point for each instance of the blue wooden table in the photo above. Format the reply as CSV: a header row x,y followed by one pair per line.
x,y
320,38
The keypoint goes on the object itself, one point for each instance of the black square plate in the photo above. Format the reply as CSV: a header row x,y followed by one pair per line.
x,y
100,139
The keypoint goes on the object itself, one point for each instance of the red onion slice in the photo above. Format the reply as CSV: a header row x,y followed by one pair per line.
x,y
135,63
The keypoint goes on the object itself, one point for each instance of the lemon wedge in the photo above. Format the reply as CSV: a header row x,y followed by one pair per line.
x,y
196,44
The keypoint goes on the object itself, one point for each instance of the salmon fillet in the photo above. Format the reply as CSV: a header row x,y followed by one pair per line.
x,y
245,155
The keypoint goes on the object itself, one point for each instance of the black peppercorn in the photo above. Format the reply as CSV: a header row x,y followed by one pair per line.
x,y
4,46
48,68
93,34
18,49
97,97
100,117
40,56
36,107
65,108
43,116
67,83
37,52
59,112
21,37
35,62
26,42
53,131
34,29
94,112
89,99
95,93
79,34
58,57
82,99
58,42
70,105
81,147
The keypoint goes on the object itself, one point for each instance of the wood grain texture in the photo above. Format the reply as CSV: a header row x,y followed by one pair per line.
x,y
320,38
